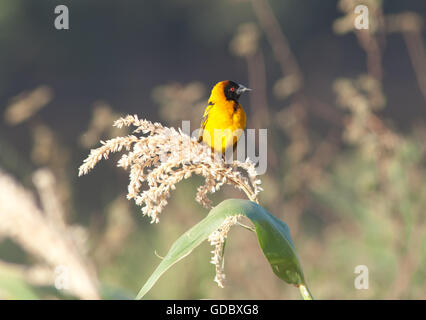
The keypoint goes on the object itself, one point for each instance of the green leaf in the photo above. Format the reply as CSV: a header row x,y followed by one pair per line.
x,y
273,236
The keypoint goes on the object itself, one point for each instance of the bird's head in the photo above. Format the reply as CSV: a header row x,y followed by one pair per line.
x,y
234,90
231,89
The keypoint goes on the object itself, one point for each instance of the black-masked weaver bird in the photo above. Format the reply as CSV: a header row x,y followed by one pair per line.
x,y
223,115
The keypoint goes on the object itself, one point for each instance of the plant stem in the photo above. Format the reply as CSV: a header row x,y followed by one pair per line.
x,y
304,291
249,193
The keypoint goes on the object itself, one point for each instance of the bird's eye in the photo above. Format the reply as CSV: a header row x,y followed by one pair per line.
x,y
232,89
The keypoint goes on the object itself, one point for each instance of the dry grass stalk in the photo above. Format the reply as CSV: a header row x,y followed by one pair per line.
x,y
45,184
25,105
161,157
100,124
41,235
362,97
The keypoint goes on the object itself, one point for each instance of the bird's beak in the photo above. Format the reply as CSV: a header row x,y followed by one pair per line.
x,y
242,89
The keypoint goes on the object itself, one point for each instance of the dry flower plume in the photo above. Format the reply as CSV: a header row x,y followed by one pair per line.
x,y
161,157
42,232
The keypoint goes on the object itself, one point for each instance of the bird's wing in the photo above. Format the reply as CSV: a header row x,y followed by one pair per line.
x,y
204,121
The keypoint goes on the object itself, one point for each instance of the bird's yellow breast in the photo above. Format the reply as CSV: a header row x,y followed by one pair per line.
x,y
225,124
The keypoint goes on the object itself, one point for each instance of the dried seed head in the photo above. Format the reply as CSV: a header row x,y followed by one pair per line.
x,y
217,239
161,157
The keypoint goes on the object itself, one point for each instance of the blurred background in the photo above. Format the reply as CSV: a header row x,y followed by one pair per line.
x,y
345,112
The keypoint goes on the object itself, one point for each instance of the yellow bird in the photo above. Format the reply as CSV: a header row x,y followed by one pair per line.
x,y
224,118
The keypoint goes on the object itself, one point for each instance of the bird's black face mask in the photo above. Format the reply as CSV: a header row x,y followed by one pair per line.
x,y
234,90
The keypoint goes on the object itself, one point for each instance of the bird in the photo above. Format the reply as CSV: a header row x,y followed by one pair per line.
x,y
224,115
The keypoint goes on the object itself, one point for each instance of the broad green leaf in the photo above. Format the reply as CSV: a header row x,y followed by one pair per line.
x,y
273,236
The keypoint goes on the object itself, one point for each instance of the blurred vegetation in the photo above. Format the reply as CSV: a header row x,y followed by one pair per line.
x,y
345,112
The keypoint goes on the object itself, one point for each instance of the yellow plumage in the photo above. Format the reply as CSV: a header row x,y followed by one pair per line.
x,y
224,118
